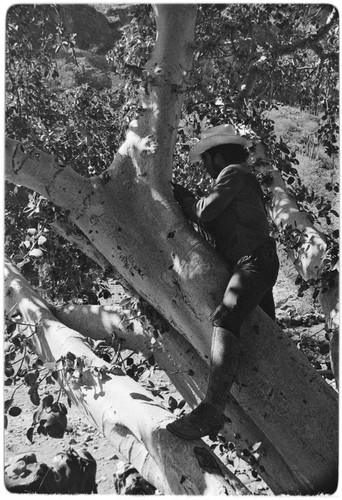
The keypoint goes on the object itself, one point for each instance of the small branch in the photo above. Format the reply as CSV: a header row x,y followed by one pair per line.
x,y
310,40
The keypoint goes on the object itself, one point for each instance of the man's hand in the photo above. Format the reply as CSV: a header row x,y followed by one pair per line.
x,y
186,200
180,193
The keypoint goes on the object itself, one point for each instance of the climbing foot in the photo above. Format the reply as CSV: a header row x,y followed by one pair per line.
x,y
202,421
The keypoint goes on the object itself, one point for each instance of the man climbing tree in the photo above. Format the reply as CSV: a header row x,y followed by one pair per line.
x,y
233,212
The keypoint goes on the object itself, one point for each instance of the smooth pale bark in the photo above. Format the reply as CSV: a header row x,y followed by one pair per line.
x,y
284,212
133,220
308,255
189,374
78,239
168,264
122,410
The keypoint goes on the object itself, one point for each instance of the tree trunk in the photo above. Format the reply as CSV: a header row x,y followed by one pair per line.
x,y
183,279
133,220
128,415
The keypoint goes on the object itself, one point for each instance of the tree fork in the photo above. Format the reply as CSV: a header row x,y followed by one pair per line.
x,y
183,278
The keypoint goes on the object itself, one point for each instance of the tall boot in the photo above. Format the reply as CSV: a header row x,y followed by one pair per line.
x,y
207,418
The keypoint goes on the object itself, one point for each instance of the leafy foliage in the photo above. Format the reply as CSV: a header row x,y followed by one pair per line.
x,y
81,126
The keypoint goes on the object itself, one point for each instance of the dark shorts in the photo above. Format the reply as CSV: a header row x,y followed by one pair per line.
x,y
250,285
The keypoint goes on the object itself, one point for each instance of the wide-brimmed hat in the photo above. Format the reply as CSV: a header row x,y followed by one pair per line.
x,y
213,136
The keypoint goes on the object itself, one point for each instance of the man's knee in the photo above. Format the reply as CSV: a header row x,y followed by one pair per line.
x,y
227,319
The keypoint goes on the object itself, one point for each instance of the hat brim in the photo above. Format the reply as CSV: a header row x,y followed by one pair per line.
x,y
209,142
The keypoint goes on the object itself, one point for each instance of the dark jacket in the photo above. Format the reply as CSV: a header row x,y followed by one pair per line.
x,y
234,213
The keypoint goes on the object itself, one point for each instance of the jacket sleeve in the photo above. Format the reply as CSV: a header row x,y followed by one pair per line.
x,y
227,186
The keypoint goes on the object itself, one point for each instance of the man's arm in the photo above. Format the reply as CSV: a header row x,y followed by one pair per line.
x,y
187,201
227,186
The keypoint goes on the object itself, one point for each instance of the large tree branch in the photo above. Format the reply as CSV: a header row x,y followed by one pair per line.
x,y
53,180
308,254
151,139
168,71
189,373
77,238
128,414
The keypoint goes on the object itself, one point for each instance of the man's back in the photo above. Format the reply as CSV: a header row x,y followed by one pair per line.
x,y
235,213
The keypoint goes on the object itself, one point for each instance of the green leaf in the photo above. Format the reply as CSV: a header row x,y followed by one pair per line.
x,y
36,252
70,356
36,415
11,328
42,240
63,409
9,371
256,446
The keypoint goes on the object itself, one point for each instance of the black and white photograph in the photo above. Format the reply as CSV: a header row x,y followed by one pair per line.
x,y
171,249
